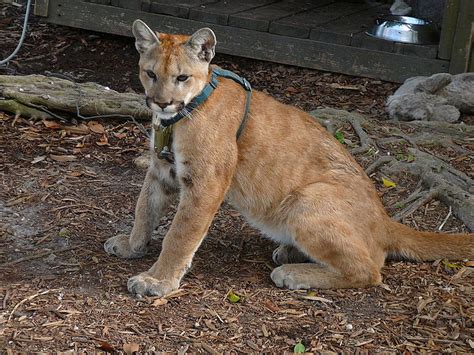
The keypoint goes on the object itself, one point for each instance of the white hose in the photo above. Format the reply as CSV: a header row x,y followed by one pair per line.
x,y
23,34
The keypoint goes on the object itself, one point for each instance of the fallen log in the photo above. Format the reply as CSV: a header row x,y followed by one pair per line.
x,y
40,95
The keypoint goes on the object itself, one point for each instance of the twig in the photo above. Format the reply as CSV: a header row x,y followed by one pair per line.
x,y
423,199
446,219
5,299
380,161
82,205
35,256
29,299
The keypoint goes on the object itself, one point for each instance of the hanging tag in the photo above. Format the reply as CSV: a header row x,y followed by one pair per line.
x,y
162,138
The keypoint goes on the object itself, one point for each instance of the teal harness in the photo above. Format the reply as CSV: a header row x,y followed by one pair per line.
x,y
163,132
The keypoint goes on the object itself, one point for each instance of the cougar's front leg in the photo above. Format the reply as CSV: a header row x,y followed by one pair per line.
x,y
157,193
202,192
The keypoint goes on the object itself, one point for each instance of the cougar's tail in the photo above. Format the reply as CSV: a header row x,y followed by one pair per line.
x,y
408,243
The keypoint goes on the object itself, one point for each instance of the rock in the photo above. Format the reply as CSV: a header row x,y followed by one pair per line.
x,y
440,97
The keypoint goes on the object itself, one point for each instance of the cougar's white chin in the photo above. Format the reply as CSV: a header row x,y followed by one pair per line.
x,y
162,116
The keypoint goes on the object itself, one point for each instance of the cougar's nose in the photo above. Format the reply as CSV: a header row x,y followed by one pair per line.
x,y
163,105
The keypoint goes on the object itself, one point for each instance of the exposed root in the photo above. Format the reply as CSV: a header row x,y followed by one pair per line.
x,y
376,164
440,180
444,182
333,119
365,141
421,198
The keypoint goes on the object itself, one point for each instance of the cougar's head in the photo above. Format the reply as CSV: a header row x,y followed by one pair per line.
x,y
173,68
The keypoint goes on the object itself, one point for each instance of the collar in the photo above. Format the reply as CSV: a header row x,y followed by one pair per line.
x,y
163,131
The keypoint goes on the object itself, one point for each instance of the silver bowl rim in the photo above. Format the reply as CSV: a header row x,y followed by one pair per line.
x,y
427,25
399,19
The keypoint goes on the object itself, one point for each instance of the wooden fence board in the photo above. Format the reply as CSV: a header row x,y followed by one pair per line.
x,y
463,38
220,11
450,18
179,8
300,25
341,30
243,42
259,19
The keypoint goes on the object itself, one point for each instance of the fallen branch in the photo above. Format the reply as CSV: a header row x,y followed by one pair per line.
x,y
28,299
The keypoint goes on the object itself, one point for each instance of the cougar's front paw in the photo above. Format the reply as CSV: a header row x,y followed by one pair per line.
x,y
286,276
120,246
146,285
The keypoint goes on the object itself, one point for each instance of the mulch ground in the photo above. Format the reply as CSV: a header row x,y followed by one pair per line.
x,y
69,186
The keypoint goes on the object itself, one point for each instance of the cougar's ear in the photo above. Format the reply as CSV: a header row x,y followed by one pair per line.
x,y
145,38
203,44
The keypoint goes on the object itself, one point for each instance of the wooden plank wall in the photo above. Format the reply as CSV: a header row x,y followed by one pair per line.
x,y
241,41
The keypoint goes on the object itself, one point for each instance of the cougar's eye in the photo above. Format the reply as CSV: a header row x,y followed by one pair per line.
x,y
151,74
182,77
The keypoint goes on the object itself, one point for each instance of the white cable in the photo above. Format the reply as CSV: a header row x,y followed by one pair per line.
x,y
23,34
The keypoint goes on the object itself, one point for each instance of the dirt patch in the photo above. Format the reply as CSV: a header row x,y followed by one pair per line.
x,y
60,291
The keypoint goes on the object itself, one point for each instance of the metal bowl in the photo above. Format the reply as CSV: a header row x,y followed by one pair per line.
x,y
405,29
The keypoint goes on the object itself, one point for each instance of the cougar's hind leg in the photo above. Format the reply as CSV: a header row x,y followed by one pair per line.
x,y
321,227
288,254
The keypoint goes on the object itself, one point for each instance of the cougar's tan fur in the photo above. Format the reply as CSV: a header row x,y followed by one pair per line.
x,y
286,175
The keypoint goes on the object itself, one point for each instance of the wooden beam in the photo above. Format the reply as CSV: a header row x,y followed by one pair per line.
x,y
41,8
448,28
462,42
258,45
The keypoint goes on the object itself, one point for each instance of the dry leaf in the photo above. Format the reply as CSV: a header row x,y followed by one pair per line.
x,y
423,303
103,140
80,129
131,348
345,87
388,183
316,298
96,127
271,306
160,302
120,135
291,89
38,159
469,263
63,158
75,173
105,331
52,124
106,347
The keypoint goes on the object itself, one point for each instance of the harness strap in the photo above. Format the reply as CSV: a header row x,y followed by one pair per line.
x,y
207,91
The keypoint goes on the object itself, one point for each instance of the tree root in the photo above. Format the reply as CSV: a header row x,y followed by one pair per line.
x,y
331,119
421,198
376,164
439,179
444,182
16,107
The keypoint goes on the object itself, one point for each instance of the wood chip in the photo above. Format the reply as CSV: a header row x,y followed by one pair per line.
x,y
63,158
